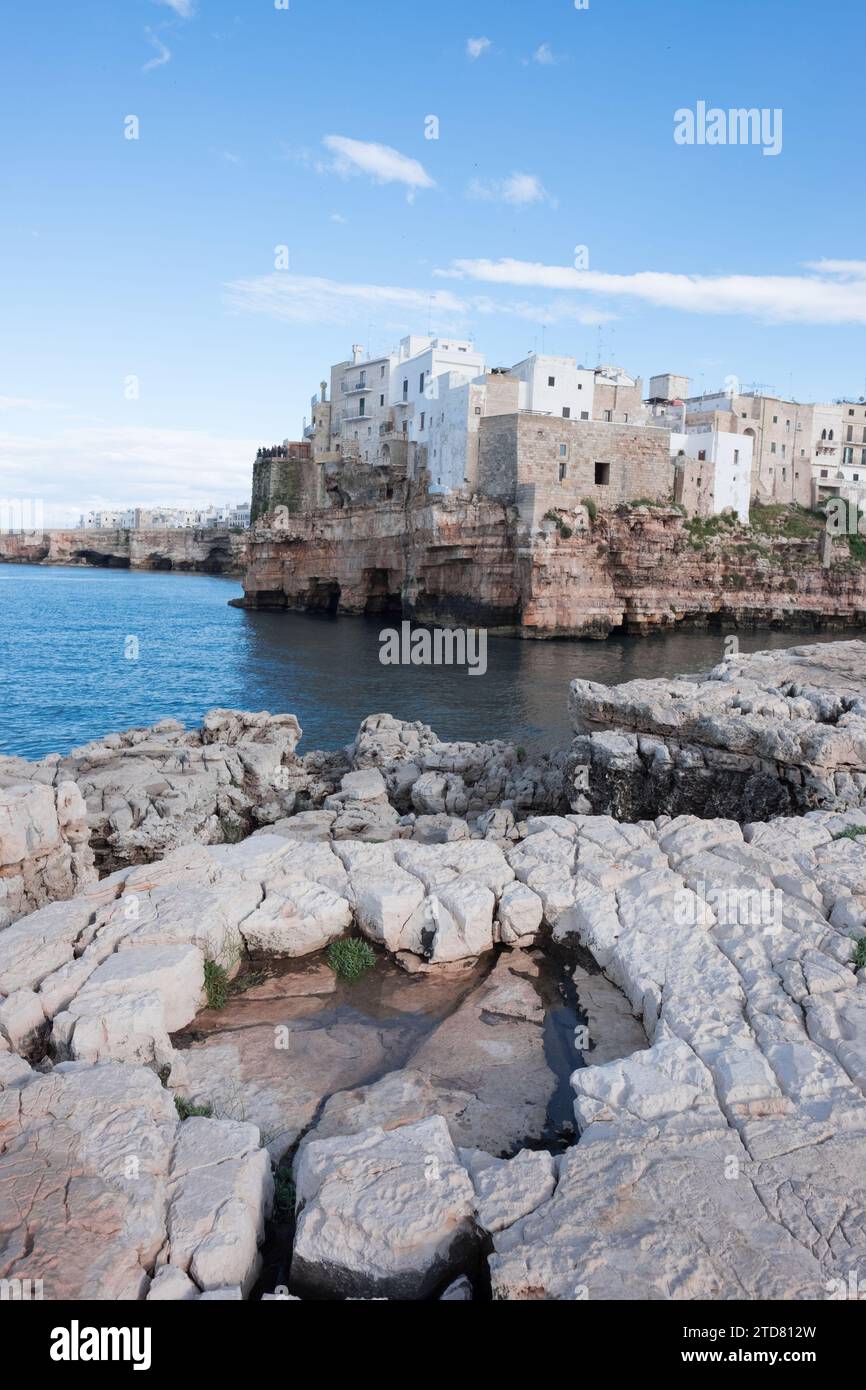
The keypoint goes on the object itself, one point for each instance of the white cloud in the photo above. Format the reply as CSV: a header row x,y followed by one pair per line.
x,y
27,403
381,162
545,55
144,466
520,190
775,298
313,299
848,270
163,54
185,8
475,47
338,217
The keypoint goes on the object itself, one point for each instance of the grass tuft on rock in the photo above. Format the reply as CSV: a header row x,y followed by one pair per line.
x,y
859,957
216,984
352,958
186,1109
851,832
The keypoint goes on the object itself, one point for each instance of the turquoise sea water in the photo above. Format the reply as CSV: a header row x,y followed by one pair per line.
x,y
65,676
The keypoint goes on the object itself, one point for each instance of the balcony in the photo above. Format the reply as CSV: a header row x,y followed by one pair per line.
x,y
349,390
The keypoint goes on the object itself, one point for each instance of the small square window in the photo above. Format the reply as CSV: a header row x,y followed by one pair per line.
x,y
602,474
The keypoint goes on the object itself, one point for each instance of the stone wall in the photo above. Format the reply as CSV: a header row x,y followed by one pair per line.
x,y
541,463
294,482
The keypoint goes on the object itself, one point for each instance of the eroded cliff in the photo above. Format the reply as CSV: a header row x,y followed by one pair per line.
x,y
635,569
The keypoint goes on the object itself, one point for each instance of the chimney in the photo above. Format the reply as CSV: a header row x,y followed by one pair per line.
x,y
357,353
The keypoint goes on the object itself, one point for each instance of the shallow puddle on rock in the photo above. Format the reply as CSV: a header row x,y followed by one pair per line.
x,y
278,1050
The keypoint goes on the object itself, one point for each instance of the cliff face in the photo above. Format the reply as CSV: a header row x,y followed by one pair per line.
x,y
634,569
448,560
207,551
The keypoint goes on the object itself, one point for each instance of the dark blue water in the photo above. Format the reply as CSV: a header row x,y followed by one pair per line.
x,y
65,678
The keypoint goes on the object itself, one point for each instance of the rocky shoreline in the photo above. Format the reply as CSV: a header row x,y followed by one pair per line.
x,y
154,1139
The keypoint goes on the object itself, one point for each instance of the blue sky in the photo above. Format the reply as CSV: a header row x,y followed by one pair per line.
x,y
262,127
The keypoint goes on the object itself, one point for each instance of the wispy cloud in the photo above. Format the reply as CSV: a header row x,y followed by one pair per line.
x,y
163,54
381,162
338,217
315,299
545,55
848,270
185,8
520,190
475,47
823,297
27,403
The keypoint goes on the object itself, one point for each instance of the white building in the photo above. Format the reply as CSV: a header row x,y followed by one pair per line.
x,y
720,479
555,386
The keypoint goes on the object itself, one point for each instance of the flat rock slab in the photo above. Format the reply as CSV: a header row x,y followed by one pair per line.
x,y
382,1214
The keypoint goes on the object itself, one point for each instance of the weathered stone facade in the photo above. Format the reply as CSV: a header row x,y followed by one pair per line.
x,y
287,477
540,463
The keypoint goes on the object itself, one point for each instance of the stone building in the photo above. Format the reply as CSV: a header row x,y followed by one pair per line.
x,y
286,476
541,463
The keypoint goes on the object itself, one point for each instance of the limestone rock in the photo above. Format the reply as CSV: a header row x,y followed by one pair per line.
x,y
382,1213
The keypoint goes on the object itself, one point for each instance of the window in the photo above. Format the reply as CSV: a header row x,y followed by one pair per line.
x,y
784,448
608,416
787,424
382,371
381,400
824,473
850,434
566,412
772,448
625,418
422,419
478,410
702,455
421,382
850,412
856,477
563,451
362,407
405,389
830,435
736,456
580,386
551,381
584,415
775,419
602,474
563,469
